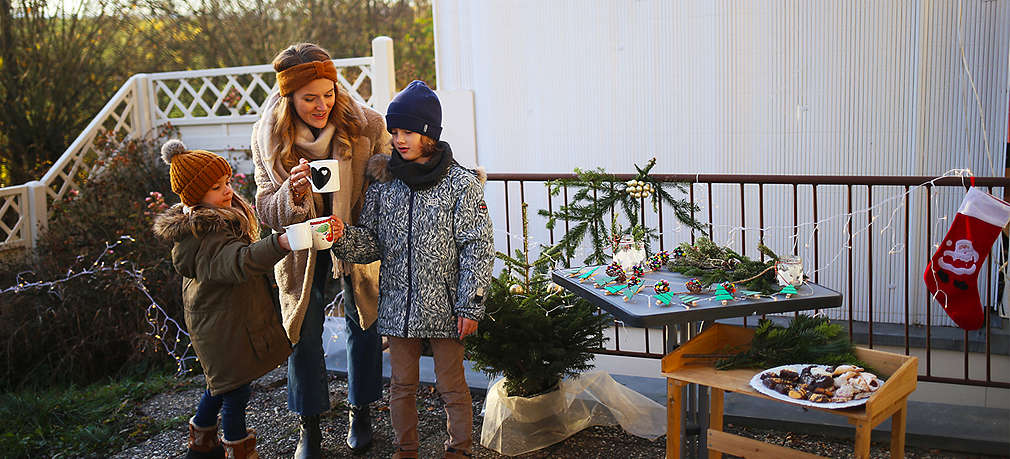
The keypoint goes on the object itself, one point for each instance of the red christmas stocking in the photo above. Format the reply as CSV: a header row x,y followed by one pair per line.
x,y
952,273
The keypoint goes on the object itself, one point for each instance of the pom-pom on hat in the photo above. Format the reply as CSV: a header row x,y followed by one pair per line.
x,y
192,172
417,109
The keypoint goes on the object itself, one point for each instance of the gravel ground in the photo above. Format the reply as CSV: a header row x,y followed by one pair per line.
x,y
277,429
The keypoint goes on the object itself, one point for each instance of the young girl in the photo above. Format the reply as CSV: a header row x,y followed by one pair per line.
x,y
232,322
425,219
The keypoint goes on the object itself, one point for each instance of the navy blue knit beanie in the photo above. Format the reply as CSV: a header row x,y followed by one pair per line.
x,y
417,109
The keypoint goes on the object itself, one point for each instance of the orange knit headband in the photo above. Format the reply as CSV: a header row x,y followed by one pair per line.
x,y
292,78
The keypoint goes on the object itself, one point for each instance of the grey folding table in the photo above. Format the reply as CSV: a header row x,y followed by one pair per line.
x,y
684,321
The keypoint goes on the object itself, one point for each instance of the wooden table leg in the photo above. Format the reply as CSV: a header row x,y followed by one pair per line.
x,y
862,446
898,430
715,419
674,418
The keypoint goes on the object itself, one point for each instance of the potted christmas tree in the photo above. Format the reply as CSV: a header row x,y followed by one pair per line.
x,y
535,334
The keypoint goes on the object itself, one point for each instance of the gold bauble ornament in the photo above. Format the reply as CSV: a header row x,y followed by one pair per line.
x,y
517,289
555,288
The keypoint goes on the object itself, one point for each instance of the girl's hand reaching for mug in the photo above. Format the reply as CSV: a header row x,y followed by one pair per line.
x,y
338,227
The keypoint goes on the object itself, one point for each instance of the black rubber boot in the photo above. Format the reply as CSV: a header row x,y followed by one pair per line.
x,y
359,429
310,439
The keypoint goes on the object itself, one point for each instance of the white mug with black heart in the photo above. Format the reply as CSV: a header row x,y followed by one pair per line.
x,y
324,175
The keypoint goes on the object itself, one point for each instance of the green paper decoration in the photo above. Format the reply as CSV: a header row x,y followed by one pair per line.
x,y
722,295
689,300
603,280
588,274
628,293
615,289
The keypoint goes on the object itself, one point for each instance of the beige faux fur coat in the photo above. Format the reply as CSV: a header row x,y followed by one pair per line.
x,y
277,209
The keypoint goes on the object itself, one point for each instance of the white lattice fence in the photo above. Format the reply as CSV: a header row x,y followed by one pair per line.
x,y
237,94
117,120
13,216
216,106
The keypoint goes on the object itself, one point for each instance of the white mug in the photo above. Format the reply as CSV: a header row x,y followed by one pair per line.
x,y
322,233
299,236
324,175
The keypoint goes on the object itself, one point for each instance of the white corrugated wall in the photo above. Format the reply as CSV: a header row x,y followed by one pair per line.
x,y
766,87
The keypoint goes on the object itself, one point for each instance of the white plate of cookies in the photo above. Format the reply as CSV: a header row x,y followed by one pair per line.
x,y
822,386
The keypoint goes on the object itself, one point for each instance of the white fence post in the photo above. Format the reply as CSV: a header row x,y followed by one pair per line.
x,y
141,105
38,213
383,73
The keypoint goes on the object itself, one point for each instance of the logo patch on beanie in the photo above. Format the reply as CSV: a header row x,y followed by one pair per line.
x,y
482,206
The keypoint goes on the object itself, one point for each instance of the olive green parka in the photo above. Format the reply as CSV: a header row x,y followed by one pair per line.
x,y
232,321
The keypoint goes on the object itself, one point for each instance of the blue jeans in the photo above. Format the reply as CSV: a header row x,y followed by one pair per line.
x,y
308,392
232,407
364,354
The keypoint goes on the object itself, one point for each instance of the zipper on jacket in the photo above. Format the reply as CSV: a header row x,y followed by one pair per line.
x,y
410,259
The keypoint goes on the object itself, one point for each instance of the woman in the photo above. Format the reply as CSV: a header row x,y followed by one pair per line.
x,y
312,117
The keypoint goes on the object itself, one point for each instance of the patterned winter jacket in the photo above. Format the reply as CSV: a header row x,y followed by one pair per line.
x,y
436,249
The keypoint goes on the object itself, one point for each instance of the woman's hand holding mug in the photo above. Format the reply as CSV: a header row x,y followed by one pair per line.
x,y
299,180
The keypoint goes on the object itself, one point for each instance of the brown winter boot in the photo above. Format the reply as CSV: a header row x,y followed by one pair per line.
x,y
242,449
405,454
203,442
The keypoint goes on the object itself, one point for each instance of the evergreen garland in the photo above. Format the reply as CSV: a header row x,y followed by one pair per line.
x,y
712,264
599,193
808,339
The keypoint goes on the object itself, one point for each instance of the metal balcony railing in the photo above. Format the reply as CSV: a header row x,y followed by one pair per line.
x,y
867,237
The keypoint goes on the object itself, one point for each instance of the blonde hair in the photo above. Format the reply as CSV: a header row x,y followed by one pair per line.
x,y
241,212
348,126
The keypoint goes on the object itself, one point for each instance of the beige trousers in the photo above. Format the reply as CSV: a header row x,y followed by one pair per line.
x,y
450,380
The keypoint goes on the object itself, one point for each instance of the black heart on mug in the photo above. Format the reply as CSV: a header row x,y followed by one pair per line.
x,y
320,176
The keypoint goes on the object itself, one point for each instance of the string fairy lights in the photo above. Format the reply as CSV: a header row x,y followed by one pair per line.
x,y
163,328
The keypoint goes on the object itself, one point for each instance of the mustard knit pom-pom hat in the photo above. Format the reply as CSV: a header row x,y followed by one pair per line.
x,y
192,172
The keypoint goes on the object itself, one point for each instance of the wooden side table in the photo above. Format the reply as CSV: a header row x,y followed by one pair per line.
x,y
890,401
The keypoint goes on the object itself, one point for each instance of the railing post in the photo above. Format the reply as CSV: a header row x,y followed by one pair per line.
x,y
141,105
383,73
38,213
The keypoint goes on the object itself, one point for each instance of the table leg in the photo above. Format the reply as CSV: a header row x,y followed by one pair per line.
x,y
674,419
715,419
898,431
692,404
687,440
703,420
862,446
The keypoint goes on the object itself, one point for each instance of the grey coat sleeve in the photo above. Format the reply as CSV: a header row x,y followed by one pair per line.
x,y
359,244
474,238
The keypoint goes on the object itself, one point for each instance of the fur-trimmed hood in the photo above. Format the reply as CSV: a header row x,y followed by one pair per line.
x,y
175,224
377,170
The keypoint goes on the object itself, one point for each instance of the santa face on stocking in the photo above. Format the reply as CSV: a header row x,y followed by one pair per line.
x,y
952,273
962,260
